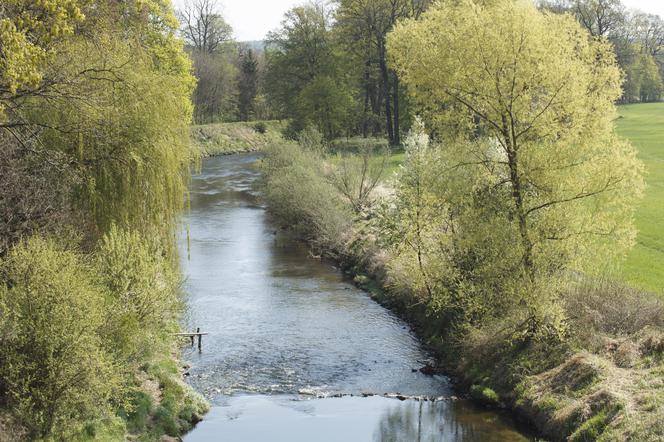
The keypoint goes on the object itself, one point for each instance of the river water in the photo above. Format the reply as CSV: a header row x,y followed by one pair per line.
x,y
295,352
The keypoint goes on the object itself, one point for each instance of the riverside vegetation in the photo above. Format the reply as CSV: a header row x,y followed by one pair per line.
x,y
497,234
94,161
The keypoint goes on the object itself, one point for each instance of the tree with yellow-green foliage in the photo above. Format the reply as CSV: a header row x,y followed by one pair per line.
x,y
111,102
28,33
523,100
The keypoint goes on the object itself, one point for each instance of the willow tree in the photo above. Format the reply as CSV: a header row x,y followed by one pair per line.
x,y
114,102
28,32
525,101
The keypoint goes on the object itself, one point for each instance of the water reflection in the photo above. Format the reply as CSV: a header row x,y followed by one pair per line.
x,y
449,421
378,419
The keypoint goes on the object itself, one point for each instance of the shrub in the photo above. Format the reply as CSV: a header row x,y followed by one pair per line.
x,y
143,301
260,127
54,370
484,395
300,196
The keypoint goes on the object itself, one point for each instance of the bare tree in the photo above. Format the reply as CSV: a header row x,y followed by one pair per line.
x,y
649,32
599,17
357,176
203,26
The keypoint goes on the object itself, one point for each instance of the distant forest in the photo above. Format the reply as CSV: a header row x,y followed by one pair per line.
x,y
327,65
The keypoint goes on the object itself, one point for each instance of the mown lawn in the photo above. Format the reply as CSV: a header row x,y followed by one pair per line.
x,y
643,125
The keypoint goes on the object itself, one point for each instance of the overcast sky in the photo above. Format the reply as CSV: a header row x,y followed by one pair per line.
x,y
252,19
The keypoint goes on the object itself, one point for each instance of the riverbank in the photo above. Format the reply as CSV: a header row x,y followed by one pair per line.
x,y
603,381
238,137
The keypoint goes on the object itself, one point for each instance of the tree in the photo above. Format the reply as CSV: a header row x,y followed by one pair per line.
x,y
599,17
304,79
415,226
248,84
644,74
203,27
649,32
28,35
215,96
209,43
368,22
528,115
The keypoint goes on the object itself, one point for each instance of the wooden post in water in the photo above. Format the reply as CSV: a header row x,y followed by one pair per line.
x,y
191,337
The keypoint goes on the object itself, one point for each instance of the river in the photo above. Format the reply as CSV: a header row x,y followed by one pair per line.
x,y
294,351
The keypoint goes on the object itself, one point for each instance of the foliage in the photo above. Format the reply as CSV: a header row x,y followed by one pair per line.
x,y
414,226
642,79
95,144
303,78
36,187
532,159
28,33
143,302
357,176
248,85
299,196
225,138
54,370
362,27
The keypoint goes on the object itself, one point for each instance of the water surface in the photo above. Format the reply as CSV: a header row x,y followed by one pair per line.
x,y
288,335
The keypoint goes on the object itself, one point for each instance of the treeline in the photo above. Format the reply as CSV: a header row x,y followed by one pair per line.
x,y
228,73
94,160
495,235
327,65
637,39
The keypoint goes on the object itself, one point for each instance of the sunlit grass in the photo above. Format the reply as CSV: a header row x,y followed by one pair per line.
x,y
643,125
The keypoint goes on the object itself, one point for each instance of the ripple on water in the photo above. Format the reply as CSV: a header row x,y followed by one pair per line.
x,y
280,324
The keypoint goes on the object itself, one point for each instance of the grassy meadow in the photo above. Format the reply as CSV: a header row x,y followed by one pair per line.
x,y
643,125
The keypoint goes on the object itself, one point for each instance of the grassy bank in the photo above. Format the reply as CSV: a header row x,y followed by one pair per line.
x,y
228,138
602,381
643,125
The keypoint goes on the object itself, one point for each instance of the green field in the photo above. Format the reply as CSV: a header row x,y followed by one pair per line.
x,y
643,125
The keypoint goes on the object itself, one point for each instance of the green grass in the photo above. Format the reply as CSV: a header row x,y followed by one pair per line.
x,y
395,156
226,138
643,125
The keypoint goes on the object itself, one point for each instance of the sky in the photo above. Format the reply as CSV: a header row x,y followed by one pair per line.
x,y
252,19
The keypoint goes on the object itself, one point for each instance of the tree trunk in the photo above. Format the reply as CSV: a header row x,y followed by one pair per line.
x,y
367,92
517,196
397,130
388,105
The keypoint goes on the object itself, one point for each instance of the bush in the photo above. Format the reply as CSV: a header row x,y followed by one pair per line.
x,y
300,196
54,370
143,302
484,395
608,307
260,127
